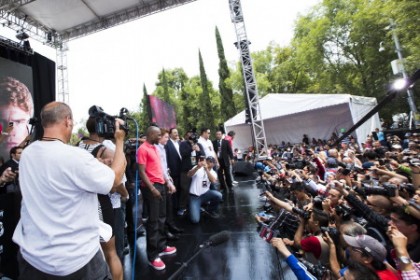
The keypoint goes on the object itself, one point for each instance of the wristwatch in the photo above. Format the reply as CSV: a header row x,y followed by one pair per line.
x,y
404,259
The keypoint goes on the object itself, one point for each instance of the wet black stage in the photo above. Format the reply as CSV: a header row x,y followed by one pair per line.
x,y
244,256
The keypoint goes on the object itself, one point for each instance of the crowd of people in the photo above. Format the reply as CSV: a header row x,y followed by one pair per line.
x,y
71,209
350,210
344,212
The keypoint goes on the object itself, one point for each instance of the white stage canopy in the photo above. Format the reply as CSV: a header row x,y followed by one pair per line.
x,y
288,116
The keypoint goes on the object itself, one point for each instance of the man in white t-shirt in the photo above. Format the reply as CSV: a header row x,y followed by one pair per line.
x,y
202,175
58,232
207,144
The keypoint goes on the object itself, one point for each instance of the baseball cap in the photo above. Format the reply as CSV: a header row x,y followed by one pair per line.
x,y
368,244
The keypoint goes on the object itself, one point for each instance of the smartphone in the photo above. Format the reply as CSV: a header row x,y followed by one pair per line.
x,y
11,124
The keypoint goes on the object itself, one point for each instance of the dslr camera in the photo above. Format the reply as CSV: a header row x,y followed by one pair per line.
x,y
387,190
304,214
105,124
344,211
318,270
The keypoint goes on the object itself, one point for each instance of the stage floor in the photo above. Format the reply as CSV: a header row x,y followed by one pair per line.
x,y
244,256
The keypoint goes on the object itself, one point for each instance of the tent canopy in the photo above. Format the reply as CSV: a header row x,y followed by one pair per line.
x,y
70,19
288,116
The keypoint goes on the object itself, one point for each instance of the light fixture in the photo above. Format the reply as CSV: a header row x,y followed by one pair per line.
x,y
400,84
21,35
381,47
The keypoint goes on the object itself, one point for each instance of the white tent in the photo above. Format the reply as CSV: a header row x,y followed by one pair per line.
x,y
288,116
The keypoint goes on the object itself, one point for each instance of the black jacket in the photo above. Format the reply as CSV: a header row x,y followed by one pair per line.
x,y
225,154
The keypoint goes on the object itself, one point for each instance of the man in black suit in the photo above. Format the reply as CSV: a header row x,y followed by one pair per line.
x,y
173,159
225,157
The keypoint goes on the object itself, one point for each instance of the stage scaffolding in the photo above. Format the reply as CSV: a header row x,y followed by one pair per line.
x,y
28,16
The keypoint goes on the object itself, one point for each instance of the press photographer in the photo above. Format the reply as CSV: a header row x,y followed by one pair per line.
x,y
190,151
399,216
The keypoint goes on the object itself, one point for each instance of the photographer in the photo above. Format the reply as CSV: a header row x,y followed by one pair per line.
x,y
9,219
404,222
117,196
297,267
190,152
312,242
369,252
409,270
202,175
13,164
56,192
356,270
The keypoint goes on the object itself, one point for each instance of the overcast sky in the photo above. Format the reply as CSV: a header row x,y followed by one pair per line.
x,y
109,68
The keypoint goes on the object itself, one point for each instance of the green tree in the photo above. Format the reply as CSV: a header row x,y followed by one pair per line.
x,y
337,44
162,88
206,116
144,114
226,92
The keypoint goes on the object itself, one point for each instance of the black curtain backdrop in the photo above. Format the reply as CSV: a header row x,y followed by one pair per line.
x,y
43,76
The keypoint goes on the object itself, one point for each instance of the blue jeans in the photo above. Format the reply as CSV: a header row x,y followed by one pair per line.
x,y
211,197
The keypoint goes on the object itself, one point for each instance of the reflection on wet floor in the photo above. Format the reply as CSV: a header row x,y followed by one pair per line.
x,y
244,256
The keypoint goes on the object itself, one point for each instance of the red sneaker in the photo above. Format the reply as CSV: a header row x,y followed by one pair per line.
x,y
167,251
157,264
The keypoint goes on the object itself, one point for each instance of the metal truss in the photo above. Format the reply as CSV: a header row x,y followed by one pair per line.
x,y
121,17
15,19
62,74
242,44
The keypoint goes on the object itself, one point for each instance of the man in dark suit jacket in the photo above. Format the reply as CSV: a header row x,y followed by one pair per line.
x,y
225,157
173,159
173,156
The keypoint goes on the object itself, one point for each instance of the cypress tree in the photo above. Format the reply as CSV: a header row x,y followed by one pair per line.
x,y
207,116
145,110
228,108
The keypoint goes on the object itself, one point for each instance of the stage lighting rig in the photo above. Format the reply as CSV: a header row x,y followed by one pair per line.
x,y
21,35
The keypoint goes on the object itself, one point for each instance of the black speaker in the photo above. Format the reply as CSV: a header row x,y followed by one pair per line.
x,y
243,168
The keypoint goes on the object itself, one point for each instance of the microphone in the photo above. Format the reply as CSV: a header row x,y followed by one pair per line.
x,y
214,240
217,238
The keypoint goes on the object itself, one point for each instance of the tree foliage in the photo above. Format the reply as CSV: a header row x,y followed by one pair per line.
x,y
225,90
334,50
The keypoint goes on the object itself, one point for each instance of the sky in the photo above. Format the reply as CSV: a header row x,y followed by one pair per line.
x,y
109,68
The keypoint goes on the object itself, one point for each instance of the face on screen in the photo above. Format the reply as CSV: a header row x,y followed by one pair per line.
x,y
18,119
16,108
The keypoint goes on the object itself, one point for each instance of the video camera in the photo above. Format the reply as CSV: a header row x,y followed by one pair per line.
x,y
105,124
283,225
